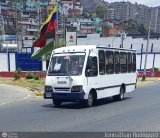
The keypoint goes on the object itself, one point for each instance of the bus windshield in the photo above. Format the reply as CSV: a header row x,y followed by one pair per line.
x,y
66,64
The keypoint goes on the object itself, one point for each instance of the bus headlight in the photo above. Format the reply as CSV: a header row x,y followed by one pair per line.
x,y
48,89
78,88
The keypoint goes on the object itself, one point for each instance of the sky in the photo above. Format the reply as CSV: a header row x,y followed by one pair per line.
x,y
150,3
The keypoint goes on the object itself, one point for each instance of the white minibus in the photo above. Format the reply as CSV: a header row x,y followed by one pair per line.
x,y
86,73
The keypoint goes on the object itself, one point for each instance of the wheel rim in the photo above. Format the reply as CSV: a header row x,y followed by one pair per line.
x,y
90,100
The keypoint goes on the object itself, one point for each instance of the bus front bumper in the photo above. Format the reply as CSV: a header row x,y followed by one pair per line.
x,y
77,96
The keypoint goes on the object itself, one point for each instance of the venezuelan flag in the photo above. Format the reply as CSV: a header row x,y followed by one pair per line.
x,y
51,28
47,30
50,18
39,43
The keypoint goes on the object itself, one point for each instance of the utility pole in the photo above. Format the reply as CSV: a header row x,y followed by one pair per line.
x,y
19,35
146,55
21,30
57,29
123,36
39,16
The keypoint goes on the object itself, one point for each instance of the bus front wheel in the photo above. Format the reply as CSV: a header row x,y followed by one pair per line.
x,y
119,97
89,102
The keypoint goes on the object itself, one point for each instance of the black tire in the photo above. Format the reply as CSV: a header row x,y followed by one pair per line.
x,y
119,97
57,103
90,101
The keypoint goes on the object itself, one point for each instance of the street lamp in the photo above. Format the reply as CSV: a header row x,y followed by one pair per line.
x,y
146,55
123,36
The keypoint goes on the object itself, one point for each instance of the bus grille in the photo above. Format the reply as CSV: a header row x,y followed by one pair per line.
x,y
61,89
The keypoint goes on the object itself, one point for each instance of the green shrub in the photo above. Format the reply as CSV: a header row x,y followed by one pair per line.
x,y
29,75
17,74
36,77
156,69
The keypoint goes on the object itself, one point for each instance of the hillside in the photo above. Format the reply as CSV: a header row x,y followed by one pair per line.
x,y
91,5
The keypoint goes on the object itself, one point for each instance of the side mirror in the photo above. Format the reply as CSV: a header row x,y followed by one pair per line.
x,y
47,64
87,72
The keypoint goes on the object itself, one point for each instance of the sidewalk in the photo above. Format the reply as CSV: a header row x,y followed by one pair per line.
x,y
33,85
149,81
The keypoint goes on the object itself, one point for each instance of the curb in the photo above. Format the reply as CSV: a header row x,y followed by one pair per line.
x,y
146,83
38,93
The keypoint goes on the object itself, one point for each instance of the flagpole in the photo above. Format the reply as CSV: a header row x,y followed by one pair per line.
x,y
56,39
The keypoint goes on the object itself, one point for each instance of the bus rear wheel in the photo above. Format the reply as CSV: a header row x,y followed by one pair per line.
x,y
57,103
119,97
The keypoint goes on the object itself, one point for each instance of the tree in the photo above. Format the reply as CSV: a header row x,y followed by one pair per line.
x,y
101,11
85,14
130,26
142,29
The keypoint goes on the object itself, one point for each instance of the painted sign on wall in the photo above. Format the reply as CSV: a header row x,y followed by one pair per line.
x,y
71,38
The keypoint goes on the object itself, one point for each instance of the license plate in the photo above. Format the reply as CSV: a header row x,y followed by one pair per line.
x,y
48,95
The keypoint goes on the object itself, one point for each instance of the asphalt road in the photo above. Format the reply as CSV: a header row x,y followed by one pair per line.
x,y
10,94
140,111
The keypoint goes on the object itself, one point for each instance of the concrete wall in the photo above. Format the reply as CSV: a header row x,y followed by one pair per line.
x,y
149,61
9,63
5,65
3,62
116,41
157,61
153,59
44,65
138,61
138,44
12,61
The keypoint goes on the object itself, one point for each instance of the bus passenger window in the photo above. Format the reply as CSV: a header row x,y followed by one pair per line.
x,y
91,68
109,62
101,62
123,62
134,62
129,62
117,62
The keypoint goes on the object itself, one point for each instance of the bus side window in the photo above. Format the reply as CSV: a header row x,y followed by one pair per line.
x,y
101,62
109,62
129,62
91,68
134,62
117,62
123,62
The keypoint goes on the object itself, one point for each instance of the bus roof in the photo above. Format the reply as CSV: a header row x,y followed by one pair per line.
x,y
82,48
116,48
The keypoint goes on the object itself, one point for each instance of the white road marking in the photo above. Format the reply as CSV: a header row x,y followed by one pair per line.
x,y
21,99
15,100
